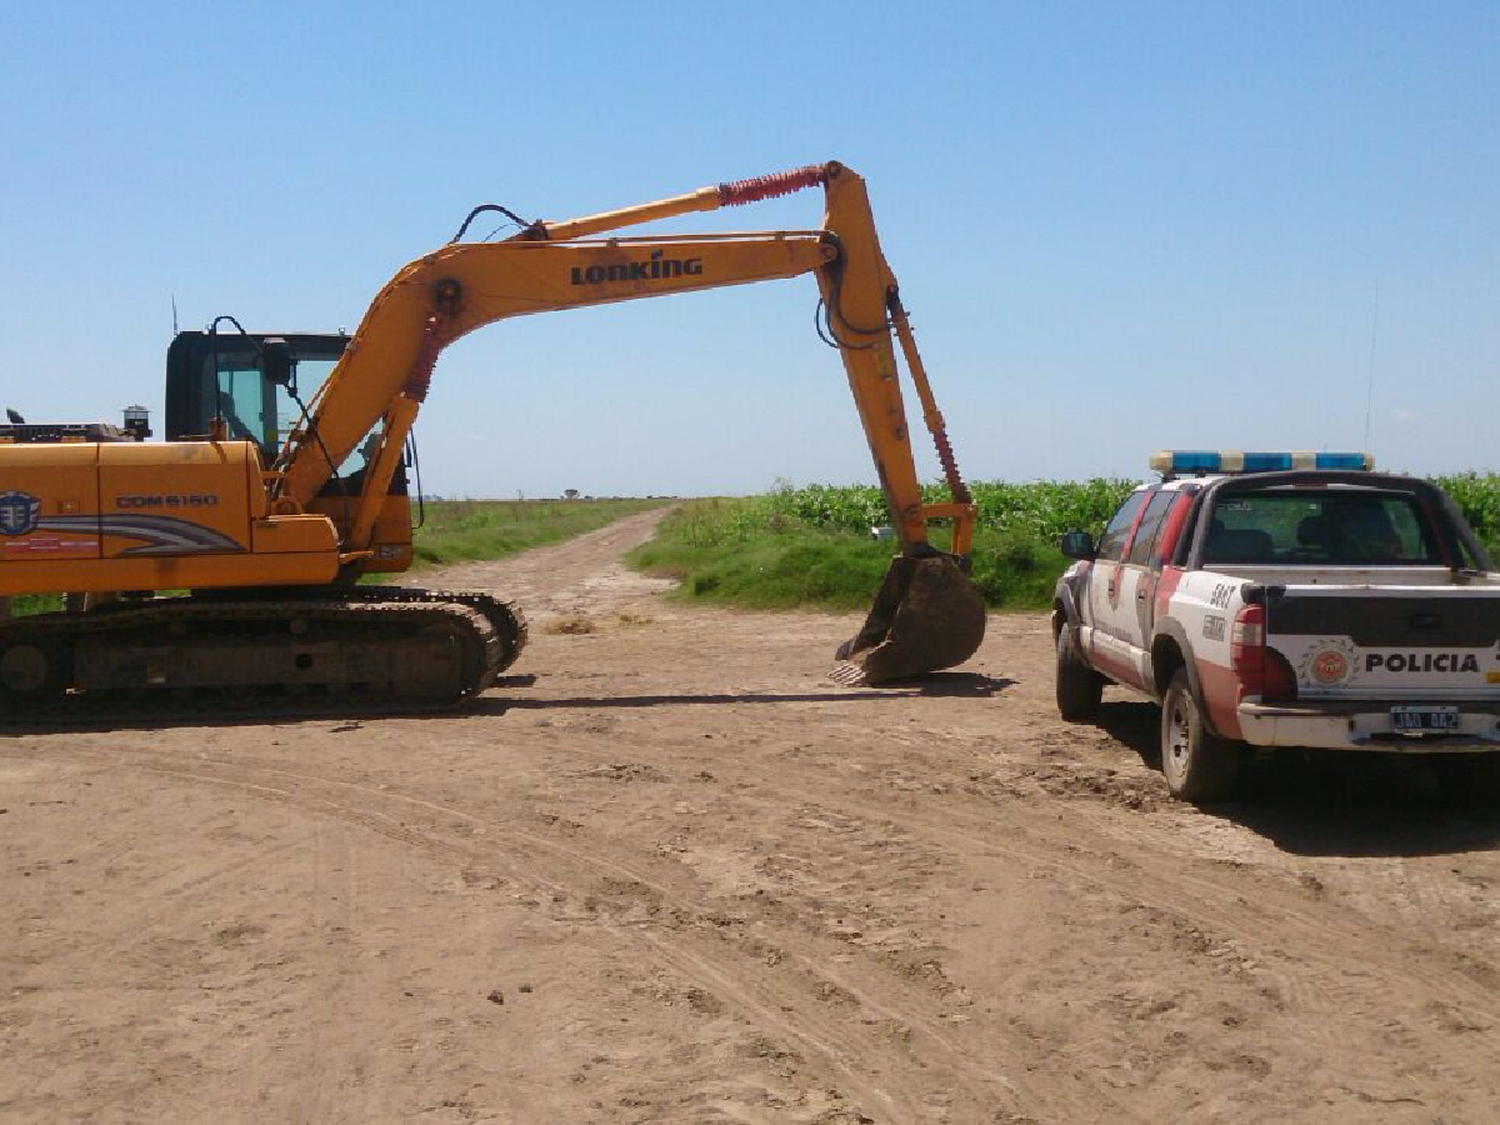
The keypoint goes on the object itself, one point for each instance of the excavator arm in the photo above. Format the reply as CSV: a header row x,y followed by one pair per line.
x,y
927,615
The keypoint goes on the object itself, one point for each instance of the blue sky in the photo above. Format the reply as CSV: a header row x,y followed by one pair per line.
x,y
1118,227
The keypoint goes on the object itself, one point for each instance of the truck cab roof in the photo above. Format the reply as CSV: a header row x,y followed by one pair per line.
x,y
1322,517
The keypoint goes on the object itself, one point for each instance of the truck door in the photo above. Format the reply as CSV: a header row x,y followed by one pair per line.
x,y
1131,607
1105,648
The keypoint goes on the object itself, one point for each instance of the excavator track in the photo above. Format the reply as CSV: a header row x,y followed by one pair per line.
x,y
365,650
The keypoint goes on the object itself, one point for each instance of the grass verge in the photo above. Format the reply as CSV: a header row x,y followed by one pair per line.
x,y
742,552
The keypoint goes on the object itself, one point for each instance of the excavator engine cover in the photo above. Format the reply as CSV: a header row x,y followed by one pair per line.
x,y
927,616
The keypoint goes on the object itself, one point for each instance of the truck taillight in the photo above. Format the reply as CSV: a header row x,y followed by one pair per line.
x,y
1261,672
1248,633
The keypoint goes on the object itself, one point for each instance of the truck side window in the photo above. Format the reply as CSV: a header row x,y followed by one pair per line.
x,y
1112,542
1150,527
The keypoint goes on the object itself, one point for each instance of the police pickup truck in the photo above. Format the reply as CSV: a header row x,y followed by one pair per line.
x,y
1287,600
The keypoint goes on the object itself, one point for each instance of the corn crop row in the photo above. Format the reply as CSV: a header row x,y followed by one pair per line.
x,y
1037,510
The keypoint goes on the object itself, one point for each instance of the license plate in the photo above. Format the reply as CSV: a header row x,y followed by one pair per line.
x,y
1419,720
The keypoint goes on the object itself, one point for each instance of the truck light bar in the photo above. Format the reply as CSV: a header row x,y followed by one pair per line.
x,y
1172,462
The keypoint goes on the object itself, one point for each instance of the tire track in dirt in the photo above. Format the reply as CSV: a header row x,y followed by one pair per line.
x,y
1209,909
1335,971
1165,860
857,1058
1361,966
1319,975
1196,905
1359,969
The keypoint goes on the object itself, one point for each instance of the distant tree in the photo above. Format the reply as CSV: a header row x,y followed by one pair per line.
x,y
570,494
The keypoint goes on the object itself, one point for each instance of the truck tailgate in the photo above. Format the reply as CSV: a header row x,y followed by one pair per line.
x,y
1388,642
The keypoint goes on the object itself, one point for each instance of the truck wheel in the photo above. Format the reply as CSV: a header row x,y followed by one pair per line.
x,y
1198,766
1079,687
1469,779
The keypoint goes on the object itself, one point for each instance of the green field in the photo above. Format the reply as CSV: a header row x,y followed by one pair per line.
x,y
1478,497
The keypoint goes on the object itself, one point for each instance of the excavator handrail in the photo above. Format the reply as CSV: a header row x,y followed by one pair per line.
x,y
635,239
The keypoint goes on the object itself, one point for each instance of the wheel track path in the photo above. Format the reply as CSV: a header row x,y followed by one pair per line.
x,y
848,1052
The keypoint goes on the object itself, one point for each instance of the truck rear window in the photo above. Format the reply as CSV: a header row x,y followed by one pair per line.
x,y
1328,527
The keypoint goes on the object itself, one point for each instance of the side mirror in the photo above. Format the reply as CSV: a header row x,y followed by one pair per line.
x,y
276,361
1078,545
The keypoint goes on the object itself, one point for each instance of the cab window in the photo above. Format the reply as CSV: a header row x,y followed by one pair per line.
x,y
1337,527
1146,535
1112,542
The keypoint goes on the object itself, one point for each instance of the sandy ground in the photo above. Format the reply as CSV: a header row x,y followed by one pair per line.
x,y
669,873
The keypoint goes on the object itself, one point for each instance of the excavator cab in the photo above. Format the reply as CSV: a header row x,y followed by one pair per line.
x,y
224,375
252,385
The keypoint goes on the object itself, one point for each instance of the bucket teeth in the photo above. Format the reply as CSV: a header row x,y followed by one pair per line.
x,y
850,675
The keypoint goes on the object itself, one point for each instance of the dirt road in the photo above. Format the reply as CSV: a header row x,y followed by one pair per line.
x,y
671,874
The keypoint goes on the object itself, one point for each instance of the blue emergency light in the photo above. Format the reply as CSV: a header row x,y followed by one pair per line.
x,y
1175,462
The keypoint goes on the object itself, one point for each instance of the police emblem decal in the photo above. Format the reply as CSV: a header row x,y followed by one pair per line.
x,y
18,512
1331,664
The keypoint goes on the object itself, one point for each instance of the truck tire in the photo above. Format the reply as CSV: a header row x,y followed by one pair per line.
x,y
1079,688
1199,767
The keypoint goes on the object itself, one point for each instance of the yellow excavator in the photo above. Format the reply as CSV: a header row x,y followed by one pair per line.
x,y
267,509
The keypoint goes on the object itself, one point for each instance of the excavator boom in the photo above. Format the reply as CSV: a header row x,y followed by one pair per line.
x,y
927,616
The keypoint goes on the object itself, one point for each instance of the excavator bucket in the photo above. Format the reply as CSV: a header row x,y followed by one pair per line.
x,y
927,616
